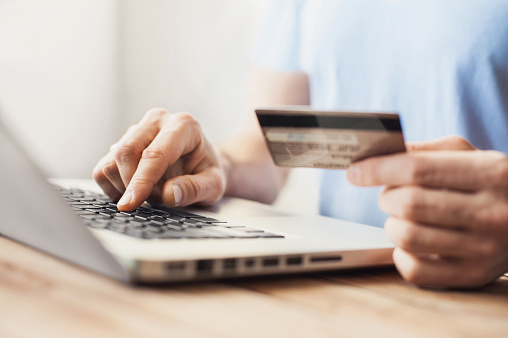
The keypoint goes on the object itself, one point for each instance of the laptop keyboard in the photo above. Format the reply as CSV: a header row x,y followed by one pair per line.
x,y
153,222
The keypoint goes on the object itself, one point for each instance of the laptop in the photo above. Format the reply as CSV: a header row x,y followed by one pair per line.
x,y
157,244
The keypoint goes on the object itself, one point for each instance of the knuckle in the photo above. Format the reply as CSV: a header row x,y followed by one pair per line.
x,y
187,120
390,227
493,218
419,170
183,115
412,203
459,143
487,248
499,168
192,190
196,190
412,272
408,266
131,128
154,152
98,174
409,238
140,181
125,151
110,169
370,173
156,114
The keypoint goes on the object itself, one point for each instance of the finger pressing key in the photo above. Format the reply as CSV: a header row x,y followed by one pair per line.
x,y
180,136
128,150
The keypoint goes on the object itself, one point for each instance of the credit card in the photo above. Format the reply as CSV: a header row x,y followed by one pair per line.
x,y
302,137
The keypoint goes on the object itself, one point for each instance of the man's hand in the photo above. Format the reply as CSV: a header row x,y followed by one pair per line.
x,y
163,157
449,211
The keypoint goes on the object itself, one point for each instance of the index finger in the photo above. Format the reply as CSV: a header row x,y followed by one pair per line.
x,y
173,141
459,170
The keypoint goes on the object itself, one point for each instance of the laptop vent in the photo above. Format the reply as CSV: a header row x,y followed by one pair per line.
x,y
323,259
294,261
270,262
228,267
204,267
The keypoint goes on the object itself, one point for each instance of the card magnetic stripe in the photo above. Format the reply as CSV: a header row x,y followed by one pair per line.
x,y
330,122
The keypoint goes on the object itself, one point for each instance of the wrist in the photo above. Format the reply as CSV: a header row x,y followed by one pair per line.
x,y
226,167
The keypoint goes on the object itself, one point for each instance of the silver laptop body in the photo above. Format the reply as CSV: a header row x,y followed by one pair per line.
x,y
33,213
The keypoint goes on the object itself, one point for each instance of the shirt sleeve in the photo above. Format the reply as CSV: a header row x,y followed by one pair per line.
x,y
278,40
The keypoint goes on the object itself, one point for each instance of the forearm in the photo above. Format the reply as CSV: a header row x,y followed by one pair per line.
x,y
248,166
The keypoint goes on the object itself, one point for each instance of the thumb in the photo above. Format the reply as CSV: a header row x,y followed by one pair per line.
x,y
204,188
442,143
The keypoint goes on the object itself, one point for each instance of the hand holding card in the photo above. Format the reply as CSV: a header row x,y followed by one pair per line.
x,y
302,137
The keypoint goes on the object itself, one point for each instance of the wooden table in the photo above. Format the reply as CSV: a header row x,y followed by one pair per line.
x,y
41,296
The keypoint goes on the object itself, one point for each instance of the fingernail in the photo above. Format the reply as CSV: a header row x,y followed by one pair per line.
x,y
353,173
177,191
126,198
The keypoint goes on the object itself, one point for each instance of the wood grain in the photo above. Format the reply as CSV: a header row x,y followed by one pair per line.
x,y
46,297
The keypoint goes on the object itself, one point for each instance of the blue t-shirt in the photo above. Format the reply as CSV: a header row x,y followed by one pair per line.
x,y
442,64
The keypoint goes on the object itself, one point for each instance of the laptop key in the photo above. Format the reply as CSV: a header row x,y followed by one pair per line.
x,y
249,229
142,215
96,225
99,211
108,211
208,233
95,210
134,232
127,213
233,232
136,223
87,199
155,223
99,225
117,227
77,204
265,235
184,234
119,215
100,204
206,219
85,212
174,227
152,229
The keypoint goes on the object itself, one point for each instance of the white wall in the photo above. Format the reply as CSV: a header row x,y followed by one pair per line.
x,y
188,55
58,78
75,74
